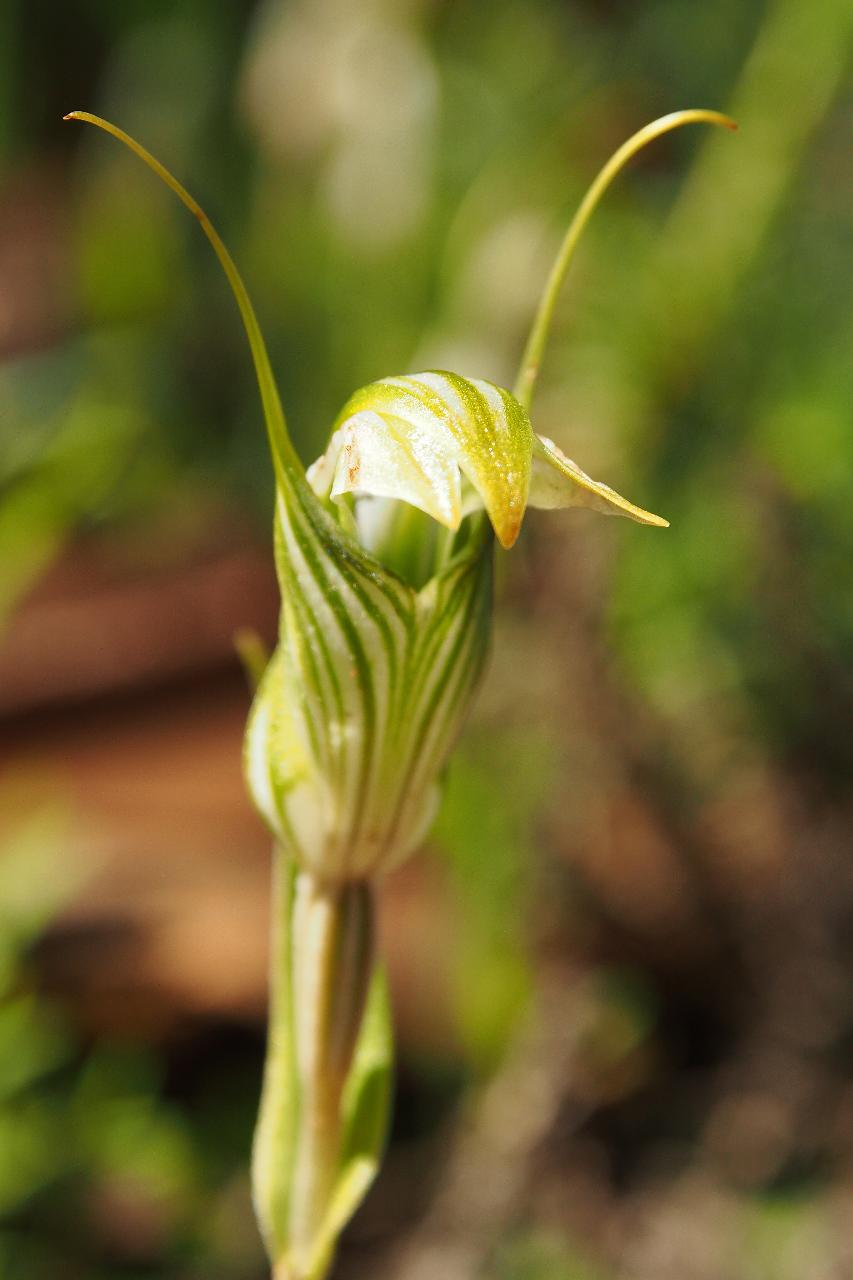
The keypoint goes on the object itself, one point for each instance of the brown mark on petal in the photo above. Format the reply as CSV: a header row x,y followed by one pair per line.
x,y
353,467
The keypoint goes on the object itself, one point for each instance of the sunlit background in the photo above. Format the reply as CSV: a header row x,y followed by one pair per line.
x,y
622,967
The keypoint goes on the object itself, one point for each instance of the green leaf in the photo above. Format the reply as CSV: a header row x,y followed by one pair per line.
x,y
362,1115
276,1133
366,1105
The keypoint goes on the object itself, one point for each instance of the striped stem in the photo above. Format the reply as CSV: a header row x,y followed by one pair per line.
x,y
322,962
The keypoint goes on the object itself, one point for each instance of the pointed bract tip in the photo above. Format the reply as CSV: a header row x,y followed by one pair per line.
x,y
507,534
645,517
72,115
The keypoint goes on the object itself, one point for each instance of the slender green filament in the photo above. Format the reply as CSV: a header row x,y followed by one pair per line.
x,y
533,352
287,464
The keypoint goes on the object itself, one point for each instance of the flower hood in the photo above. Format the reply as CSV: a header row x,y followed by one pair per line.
x,y
449,446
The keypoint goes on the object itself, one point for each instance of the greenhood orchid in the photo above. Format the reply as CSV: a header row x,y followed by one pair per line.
x,y
384,554
449,446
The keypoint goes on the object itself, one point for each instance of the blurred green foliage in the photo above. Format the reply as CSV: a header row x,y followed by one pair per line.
x,y
392,179
542,1257
490,846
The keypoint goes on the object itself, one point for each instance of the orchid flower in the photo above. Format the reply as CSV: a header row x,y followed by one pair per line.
x,y
384,554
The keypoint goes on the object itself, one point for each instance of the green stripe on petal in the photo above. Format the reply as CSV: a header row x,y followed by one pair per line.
x,y
379,454
414,437
495,438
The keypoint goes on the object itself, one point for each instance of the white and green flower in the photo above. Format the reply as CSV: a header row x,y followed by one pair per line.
x,y
384,554
385,614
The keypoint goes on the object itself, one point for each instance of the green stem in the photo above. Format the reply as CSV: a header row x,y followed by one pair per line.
x,y
333,937
533,352
322,962
315,944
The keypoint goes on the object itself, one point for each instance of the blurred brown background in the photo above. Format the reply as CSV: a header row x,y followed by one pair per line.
x,y
621,970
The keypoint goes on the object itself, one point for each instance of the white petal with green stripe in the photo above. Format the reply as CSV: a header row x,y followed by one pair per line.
x,y
362,699
420,438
